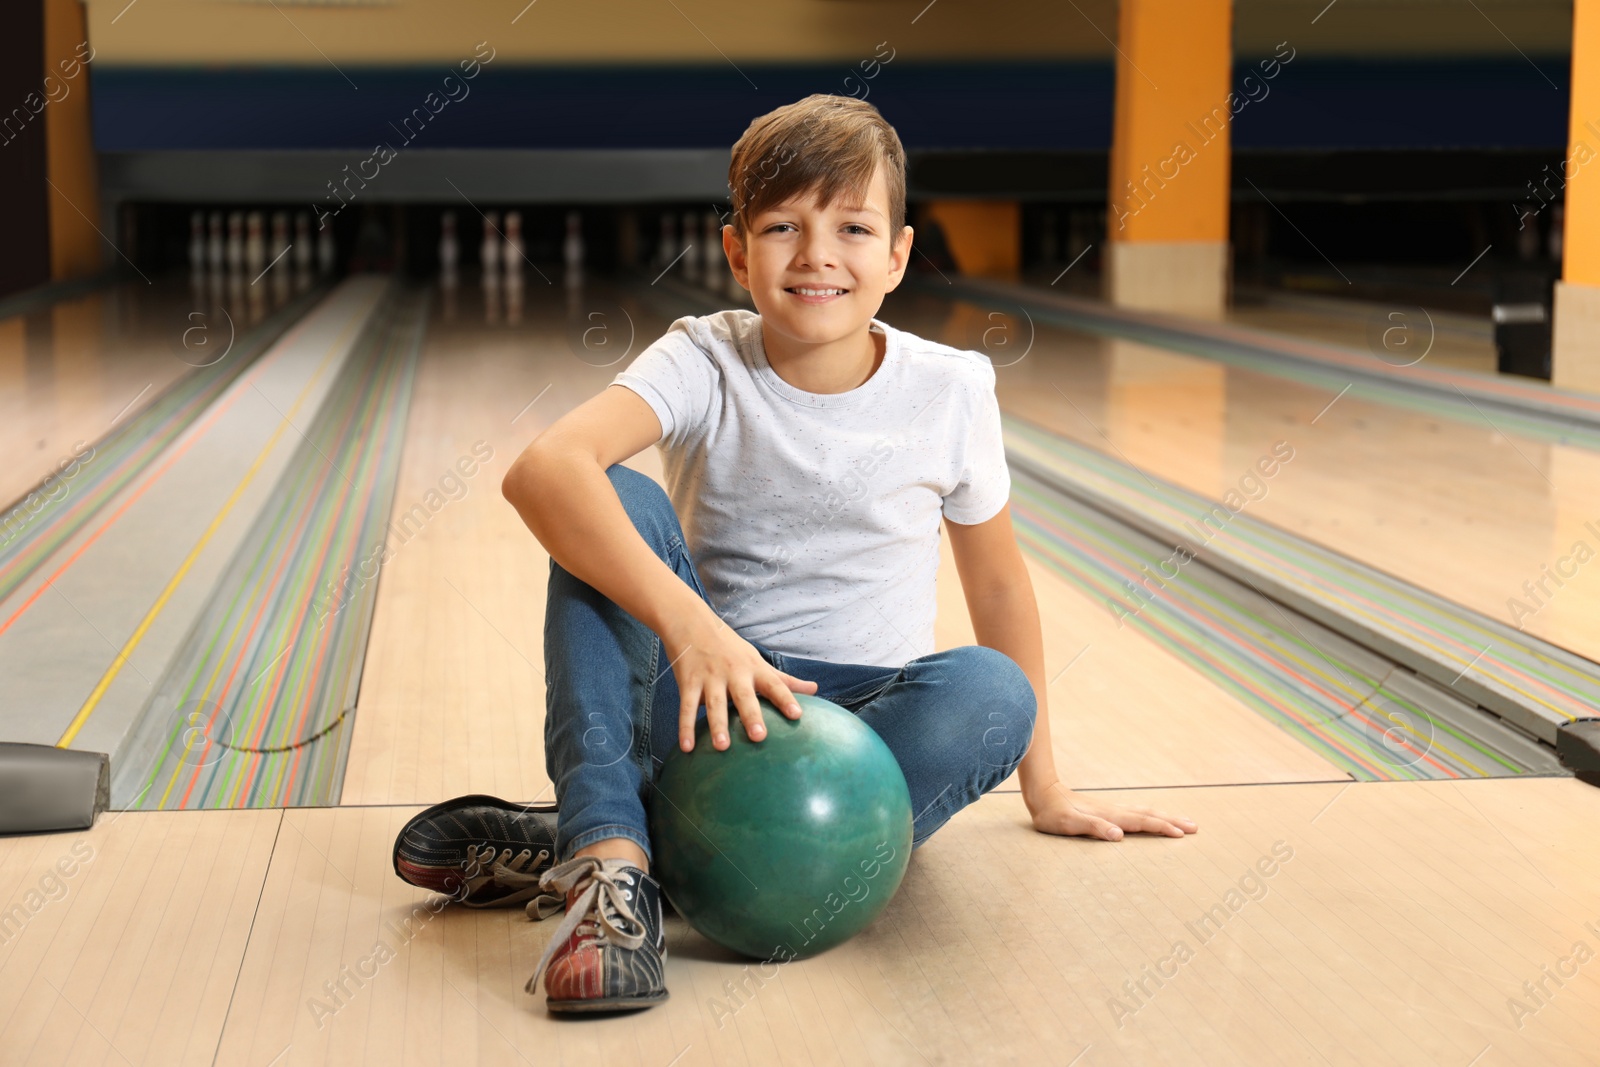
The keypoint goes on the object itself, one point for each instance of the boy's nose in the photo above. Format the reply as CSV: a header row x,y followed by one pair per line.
x,y
816,253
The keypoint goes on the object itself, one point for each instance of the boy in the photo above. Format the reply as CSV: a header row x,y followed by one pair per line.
x,y
810,451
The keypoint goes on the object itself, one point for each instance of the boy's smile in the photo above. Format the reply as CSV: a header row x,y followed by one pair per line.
x,y
810,295
817,275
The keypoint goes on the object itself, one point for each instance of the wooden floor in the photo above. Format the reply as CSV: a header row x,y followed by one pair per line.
x,y
1396,924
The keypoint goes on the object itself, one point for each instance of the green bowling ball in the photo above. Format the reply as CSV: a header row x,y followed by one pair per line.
x,y
785,847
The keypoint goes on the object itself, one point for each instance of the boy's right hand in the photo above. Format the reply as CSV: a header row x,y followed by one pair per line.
x,y
712,663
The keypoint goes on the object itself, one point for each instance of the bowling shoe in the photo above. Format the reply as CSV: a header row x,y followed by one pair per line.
x,y
607,954
483,851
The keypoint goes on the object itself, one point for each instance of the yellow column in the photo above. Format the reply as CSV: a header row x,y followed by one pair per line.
x,y
1575,361
1167,211
69,152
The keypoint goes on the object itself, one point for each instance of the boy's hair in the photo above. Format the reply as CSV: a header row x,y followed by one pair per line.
x,y
827,144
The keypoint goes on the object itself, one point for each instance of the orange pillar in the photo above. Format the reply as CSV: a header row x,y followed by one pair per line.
x,y
1167,211
73,193
1575,360
984,236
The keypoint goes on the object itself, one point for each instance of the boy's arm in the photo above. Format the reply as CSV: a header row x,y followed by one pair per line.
x,y
560,488
1005,617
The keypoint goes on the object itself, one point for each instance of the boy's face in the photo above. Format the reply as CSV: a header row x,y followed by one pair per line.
x,y
797,248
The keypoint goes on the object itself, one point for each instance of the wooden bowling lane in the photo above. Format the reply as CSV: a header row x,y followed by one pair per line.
x,y
1296,926
452,697
1490,520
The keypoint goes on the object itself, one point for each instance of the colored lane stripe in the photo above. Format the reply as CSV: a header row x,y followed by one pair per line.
x,y
1263,663
111,673
255,709
230,789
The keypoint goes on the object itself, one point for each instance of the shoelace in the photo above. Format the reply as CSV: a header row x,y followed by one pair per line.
x,y
602,904
504,869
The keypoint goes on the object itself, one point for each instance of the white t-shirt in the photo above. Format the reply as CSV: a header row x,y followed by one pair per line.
x,y
813,519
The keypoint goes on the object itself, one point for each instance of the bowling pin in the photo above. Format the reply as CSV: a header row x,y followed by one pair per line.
x,y
303,248
236,241
327,250
214,244
197,244
512,253
489,249
257,295
280,242
449,244
572,246
278,265
255,245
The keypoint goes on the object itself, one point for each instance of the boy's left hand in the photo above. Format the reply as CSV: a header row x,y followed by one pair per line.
x,y
1061,811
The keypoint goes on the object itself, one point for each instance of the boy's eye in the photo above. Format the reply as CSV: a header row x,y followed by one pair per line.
x,y
858,228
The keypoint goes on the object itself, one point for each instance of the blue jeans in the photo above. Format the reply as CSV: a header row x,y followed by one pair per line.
x,y
958,721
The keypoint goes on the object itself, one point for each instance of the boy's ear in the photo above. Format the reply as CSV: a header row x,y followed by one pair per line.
x,y
899,258
733,248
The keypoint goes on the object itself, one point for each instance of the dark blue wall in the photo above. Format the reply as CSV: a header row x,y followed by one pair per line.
x,y
589,107
1443,104
1014,106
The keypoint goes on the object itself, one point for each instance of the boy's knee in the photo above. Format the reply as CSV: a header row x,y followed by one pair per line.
x,y
645,502
986,690
996,680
